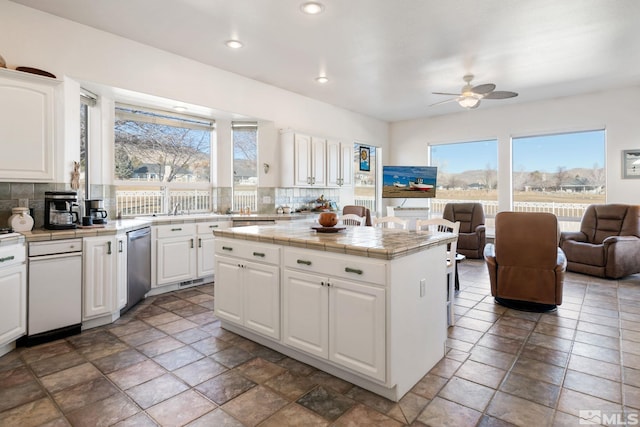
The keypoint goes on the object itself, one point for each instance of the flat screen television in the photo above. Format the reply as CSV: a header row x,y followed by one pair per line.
x,y
409,181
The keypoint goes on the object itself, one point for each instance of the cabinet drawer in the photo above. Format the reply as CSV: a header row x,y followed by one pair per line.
x,y
252,251
176,230
55,247
208,227
343,266
11,255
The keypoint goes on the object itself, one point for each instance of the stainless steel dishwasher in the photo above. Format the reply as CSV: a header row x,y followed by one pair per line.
x,y
54,307
138,266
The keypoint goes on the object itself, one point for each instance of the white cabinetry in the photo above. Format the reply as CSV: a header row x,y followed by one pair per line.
x,y
247,290
334,318
13,288
121,271
184,252
100,262
27,126
339,164
303,160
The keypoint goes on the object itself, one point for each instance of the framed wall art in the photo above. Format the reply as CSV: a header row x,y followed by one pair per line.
x,y
365,153
631,164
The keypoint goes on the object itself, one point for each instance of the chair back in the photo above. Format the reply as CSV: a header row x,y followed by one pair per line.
x,y
527,240
358,210
470,215
352,219
390,222
602,221
443,226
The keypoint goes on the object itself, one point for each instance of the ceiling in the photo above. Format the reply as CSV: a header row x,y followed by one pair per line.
x,y
385,57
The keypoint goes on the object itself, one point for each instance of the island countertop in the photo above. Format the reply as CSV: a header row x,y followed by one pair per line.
x,y
373,242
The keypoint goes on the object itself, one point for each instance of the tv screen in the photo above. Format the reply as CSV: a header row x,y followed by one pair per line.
x,y
409,181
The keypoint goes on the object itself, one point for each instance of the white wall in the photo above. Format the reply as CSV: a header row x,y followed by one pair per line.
x,y
616,111
69,50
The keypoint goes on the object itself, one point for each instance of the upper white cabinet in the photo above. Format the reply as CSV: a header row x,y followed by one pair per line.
x,y
27,126
339,164
303,160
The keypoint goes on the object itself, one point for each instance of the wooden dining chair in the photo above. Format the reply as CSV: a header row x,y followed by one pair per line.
x,y
444,226
353,219
390,222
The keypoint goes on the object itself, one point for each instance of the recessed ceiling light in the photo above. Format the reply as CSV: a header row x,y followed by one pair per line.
x,y
322,79
180,108
312,7
234,44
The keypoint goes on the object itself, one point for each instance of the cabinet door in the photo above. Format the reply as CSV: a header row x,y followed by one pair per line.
x,y
333,163
176,259
228,289
26,128
302,172
305,312
357,327
262,298
99,276
121,268
206,255
318,162
13,304
346,165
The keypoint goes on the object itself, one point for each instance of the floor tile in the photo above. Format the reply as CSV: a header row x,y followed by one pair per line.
x,y
259,370
157,390
262,401
519,411
225,387
481,373
57,363
119,360
325,402
232,357
606,370
592,385
104,412
294,415
10,397
541,371
178,358
30,414
467,393
572,402
181,409
199,371
210,345
69,377
83,394
441,412
365,416
531,389
217,418
136,374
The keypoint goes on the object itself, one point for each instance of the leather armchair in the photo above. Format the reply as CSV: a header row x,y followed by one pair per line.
x,y
358,210
526,266
608,243
472,235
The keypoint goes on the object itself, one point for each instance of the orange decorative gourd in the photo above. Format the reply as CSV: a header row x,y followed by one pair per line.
x,y
328,219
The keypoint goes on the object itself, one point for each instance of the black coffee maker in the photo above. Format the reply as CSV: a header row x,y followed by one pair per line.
x,y
94,209
58,210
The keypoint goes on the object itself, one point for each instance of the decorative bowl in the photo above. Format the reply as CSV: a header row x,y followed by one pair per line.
x,y
328,219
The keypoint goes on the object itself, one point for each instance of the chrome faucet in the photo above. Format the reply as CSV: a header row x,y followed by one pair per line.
x,y
175,208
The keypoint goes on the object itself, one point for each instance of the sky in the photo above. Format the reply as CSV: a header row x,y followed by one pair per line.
x,y
542,153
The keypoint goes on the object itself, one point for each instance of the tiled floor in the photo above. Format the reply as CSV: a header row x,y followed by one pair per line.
x,y
168,362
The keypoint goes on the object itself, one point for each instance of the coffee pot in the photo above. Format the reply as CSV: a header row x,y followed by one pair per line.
x,y
94,209
58,210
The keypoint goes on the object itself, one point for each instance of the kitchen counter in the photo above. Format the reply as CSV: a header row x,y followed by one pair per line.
x,y
369,242
111,228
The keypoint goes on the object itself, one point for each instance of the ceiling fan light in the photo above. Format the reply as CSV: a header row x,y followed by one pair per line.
x,y
468,101
312,7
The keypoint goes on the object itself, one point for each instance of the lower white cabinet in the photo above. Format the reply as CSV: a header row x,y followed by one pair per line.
x,y
99,258
13,304
247,292
121,271
336,319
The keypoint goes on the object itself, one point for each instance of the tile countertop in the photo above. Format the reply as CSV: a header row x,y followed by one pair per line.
x,y
372,242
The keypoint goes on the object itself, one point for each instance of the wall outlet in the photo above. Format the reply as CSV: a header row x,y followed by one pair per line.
x,y
423,286
24,203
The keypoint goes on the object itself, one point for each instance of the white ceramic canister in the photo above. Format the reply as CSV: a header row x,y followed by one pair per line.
x,y
20,220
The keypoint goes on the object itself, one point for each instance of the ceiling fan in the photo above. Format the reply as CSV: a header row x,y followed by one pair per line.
x,y
470,96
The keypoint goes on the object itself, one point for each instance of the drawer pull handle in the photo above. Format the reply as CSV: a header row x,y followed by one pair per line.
x,y
301,261
191,243
260,254
120,248
108,248
199,242
176,229
213,226
7,258
353,270
227,248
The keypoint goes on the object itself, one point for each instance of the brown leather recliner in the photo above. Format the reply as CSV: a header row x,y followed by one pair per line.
x,y
526,266
358,210
472,236
608,243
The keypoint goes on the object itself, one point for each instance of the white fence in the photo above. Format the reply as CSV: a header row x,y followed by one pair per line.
x,y
147,202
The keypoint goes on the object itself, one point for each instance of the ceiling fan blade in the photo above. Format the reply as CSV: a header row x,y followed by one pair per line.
x,y
445,93
475,106
444,102
483,89
500,94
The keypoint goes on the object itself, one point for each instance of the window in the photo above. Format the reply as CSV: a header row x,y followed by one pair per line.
x,y
245,165
162,162
467,171
87,102
559,173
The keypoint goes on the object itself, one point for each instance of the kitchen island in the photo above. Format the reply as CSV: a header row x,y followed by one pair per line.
x,y
365,304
